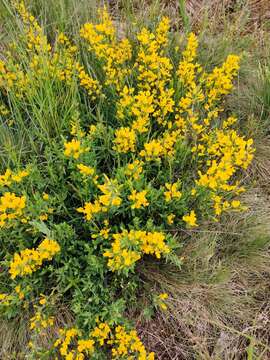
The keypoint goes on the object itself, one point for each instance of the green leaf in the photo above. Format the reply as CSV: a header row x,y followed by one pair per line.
x,y
41,227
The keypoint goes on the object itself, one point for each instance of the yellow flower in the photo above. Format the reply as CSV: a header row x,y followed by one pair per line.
x,y
190,52
86,170
40,320
113,53
90,209
122,255
43,300
235,204
76,129
139,199
74,149
163,296
219,82
101,333
19,176
11,207
187,70
142,108
173,192
125,140
9,177
86,345
163,306
109,198
103,233
190,218
110,192
227,151
5,179
19,291
170,219
128,343
152,150
64,342
5,299
3,109
134,169
92,130
29,260
229,122
91,85
45,197
43,217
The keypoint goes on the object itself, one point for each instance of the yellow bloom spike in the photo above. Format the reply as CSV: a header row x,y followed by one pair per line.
x,y
190,52
125,140
115,54
219,82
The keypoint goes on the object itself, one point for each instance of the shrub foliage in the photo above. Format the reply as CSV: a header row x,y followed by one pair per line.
x,y
144,151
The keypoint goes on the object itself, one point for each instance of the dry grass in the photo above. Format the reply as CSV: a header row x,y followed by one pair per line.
x,y
15,335
213,319
255,13
218,304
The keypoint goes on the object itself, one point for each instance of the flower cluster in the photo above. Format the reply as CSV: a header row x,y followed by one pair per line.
x,y
128,247
74,149
112,53
29,260
121,342
86,170
109,198
128,343
134,169
41,321
5,299
9,177
3,110
64,343
190,219
139,199
161,300
11,207
125,140
172,192
45,62
16,296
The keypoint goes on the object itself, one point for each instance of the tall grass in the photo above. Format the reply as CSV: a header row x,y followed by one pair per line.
x,y
183,14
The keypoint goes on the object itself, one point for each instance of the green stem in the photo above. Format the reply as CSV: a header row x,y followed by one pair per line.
x,y
183,14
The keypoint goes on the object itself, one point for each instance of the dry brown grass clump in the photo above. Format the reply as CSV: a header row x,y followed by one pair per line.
x,y
218,305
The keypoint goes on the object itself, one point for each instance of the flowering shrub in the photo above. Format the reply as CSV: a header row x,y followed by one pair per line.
x,y
149,152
